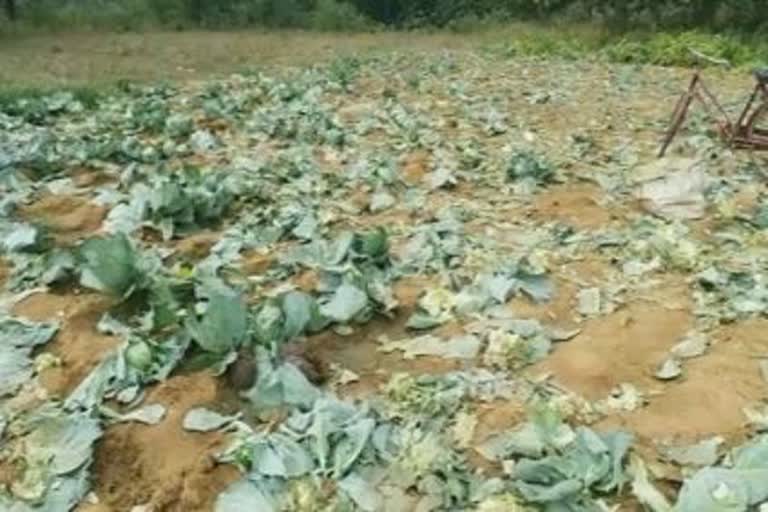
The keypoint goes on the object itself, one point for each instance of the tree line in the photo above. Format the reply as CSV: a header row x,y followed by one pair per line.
x,y
742,15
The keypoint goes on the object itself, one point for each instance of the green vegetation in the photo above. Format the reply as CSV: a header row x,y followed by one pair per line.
x,y
639,47
639,32
620,15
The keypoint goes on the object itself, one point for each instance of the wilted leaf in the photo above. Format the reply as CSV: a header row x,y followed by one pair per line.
x,y
18,338
298,309
703,453
285,385
201,419
763,365
148,414
644,490
670,369
464,429
307,228
381,200
525,441
347,302
280,456
127,217
693,345
244,495
20,237
441,178
716,490
459,347
719,489
590,461
56,453
626,397
590,303
361,492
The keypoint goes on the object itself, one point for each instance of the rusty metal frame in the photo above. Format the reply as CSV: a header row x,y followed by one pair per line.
x,y
744,134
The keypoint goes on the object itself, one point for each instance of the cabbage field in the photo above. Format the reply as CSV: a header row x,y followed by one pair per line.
x,y
411,281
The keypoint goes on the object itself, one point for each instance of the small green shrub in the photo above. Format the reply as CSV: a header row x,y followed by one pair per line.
x,y
674,49
669,49
333,15
88,14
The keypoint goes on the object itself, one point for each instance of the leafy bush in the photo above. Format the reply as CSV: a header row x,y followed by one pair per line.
x,y
618,16
113,15
333,15
674,49
662,49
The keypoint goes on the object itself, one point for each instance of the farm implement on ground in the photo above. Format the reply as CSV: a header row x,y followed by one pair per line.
x,y
746,132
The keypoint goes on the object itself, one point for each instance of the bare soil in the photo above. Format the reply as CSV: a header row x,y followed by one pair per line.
x,y
172,470
164,466
78,346
68,218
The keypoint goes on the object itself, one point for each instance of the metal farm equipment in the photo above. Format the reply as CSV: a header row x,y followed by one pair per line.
x,y
744,133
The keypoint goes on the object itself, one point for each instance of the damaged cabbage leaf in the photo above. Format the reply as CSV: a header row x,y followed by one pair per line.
x,y
435,307
200,419
434,247
562,468
20,237
49,267
737,487
223,325
458,347
644,490
150,414
244,495
187,200
591,463
302,314
330,439
122,374
347,302
528,167
56,454
18,338
732,293
430,395
282,386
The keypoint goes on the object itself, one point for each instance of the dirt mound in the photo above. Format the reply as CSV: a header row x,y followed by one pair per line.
x,y
78,345
5,271
70,218
641,333
162,465
415,167
90,177
198,246
712,393
576,205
